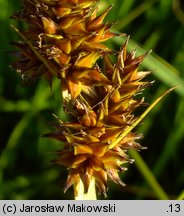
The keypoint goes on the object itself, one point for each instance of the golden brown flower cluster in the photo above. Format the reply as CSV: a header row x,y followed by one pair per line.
x,y
65,39
68,36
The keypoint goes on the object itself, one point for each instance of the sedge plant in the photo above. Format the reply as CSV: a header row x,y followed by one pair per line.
x,y
98,86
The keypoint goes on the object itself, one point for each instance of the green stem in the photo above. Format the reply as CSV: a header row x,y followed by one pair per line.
x,y
181,196
148,175
79,191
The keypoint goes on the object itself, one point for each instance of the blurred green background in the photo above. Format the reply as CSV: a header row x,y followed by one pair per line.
x,y
26,112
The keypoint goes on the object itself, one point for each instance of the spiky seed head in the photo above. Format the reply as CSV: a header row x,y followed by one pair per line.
x,y
103,112
65,35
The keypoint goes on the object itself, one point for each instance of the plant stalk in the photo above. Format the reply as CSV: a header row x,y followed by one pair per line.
x,y
148,176
79,193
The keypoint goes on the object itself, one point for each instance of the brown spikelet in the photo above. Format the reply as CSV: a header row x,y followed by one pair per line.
x,y
68,34
103,112
64,39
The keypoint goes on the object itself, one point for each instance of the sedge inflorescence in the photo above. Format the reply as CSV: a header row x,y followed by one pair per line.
x,y
64,39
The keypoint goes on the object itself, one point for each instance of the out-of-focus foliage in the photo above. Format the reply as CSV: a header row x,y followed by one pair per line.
x,y
26,112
